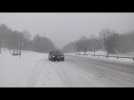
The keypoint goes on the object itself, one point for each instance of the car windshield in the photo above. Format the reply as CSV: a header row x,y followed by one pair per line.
x,y
56,53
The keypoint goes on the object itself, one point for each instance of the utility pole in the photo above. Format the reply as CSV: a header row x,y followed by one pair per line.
x,y
105,44
20,46
94,51
0,47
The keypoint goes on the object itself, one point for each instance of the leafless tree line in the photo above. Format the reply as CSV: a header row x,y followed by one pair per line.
x,y
109,40
16,41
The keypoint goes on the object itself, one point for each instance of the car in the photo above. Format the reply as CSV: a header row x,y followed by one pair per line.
x,y
16,53
56,55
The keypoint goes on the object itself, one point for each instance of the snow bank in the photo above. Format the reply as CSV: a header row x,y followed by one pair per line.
x,y
15,70
110,59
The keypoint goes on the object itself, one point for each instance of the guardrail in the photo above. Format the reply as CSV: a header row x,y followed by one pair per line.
x,y
114,56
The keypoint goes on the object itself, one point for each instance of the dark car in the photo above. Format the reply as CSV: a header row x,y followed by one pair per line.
x,y
16,53
56,55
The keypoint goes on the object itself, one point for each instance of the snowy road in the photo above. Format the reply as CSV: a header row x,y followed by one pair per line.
x,y
34,70
106,73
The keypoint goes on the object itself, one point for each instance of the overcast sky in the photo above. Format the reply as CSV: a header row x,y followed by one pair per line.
x,y
62,28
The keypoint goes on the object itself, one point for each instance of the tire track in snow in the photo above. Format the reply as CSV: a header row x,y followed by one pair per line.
x,y
49,76
44,74
35,73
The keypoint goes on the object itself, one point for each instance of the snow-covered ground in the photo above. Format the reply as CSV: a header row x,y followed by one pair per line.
x,y
34,70
15,70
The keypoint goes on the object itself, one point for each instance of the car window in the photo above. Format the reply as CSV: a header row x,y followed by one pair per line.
x,y
56,53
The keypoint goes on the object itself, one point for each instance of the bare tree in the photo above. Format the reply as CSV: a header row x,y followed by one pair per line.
x,y
110,40
42,44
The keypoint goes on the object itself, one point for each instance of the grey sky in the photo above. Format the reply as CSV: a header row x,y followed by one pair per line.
x,y
65,27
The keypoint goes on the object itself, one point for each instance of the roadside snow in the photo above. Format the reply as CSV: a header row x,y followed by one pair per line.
x,y
109,59
15,70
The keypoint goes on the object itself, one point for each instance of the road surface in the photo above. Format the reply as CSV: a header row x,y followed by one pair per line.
x,y
111,74
84,72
